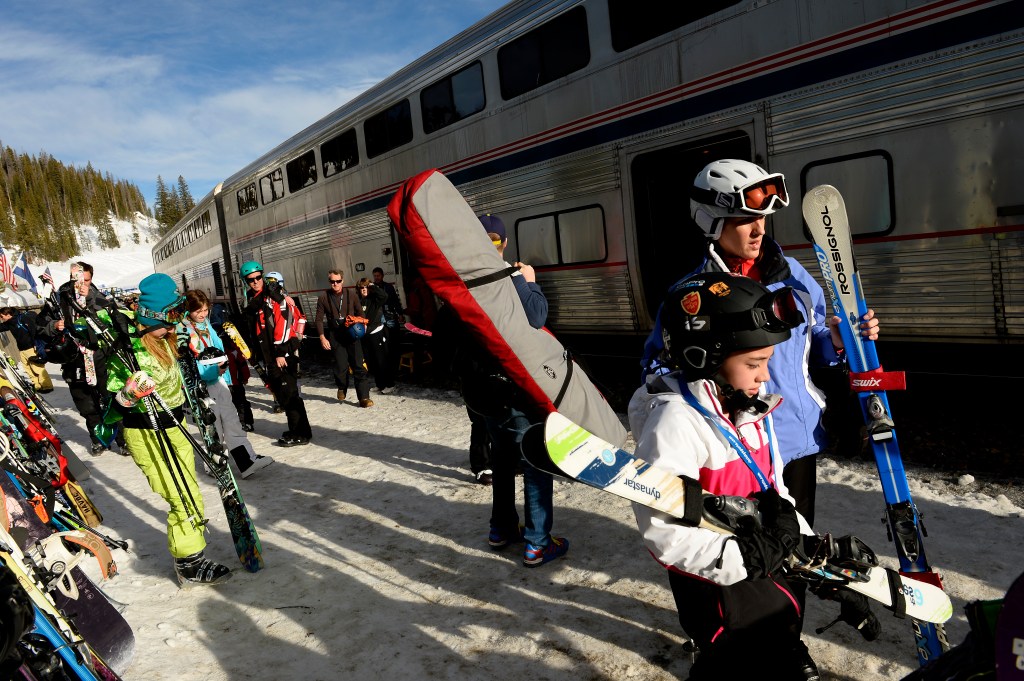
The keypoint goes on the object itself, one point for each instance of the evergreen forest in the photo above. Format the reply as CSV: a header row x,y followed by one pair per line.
x,y
43,201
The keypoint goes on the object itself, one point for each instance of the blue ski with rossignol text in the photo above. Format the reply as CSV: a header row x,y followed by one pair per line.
x,y
824,212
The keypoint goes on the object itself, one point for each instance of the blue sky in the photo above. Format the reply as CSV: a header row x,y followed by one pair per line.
x,y
197,88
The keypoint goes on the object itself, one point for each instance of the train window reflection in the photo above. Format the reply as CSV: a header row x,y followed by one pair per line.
x,y
865,181
545,54
454,98
568,237
247,199
632,23
272,186
537,241
389,129
301,172
340,153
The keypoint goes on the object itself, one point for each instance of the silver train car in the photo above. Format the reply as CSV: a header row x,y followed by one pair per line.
x,y
582,124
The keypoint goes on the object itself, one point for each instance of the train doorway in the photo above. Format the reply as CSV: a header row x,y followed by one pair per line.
x,y
669,244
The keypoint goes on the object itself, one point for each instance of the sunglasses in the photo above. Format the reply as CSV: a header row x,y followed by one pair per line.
x,y
253,280
335,281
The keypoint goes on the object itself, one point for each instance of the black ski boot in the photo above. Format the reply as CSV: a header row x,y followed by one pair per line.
x,y
804,667
196,569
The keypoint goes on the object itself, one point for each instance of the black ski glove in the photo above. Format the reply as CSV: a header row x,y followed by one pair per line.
x,y
763,553
854,609
778,517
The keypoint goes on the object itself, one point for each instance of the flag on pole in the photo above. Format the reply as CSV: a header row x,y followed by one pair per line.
x,y
5,269
22,270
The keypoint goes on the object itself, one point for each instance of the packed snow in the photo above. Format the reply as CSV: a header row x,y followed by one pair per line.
x,y
377,562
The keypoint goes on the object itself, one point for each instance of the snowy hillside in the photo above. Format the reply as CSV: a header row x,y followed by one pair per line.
x,y
123,267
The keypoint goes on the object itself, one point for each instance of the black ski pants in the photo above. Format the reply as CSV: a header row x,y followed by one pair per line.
x,y
284,383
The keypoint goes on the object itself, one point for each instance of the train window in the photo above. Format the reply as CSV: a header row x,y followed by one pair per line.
x,y
454,98
545,54
340,153
632,24
389,129
301,172
574,236
272,186
247,199
537,241
866,183
207,225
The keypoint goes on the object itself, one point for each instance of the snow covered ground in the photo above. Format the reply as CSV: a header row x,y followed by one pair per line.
x,y
377,564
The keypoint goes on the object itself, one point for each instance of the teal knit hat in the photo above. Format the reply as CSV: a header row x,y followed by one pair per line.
x,y
160,304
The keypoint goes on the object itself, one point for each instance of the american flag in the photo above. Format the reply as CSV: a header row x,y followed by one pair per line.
x,y
5,268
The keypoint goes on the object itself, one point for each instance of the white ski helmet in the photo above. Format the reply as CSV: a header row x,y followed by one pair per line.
x,y
730,188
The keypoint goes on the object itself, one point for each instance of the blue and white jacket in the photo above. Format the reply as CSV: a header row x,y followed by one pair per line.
x,y
798,421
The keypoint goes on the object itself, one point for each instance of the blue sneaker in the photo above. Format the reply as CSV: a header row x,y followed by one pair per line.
x,y
499,538
538,555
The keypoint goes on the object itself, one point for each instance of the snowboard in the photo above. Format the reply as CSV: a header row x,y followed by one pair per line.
x,y
58,627
824,212
23,396
97,619
232,332
243,531
573,452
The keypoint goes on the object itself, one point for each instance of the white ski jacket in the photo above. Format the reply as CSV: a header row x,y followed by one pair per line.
x,y
673,435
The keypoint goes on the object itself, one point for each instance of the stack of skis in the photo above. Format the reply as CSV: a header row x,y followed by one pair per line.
x,y
55,622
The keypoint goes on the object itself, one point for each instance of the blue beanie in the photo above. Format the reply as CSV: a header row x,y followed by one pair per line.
x,y
493,225
159,301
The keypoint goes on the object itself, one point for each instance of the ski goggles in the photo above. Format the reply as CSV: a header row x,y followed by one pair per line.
x,y
757,198
777,311
171,315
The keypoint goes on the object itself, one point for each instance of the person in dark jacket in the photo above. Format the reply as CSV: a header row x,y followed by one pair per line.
x,y
376,348
84,359
493,395
335,309
272,316
22,325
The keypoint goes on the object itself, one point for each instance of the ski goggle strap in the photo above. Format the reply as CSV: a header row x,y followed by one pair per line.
x,y
757,198
171,315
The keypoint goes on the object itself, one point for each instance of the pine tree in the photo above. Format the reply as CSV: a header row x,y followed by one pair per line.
x,y
185,196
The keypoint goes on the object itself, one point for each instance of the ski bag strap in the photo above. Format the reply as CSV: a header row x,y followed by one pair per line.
x,y
490,278
565,383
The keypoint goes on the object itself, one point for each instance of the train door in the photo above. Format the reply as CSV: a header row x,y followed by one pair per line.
x,y
668,243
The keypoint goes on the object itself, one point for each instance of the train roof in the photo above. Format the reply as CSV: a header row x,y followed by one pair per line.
x,y
459,49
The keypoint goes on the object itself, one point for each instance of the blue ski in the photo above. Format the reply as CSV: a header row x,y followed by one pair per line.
x,y
825,214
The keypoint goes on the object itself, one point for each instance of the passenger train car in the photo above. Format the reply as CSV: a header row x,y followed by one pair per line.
x,y
583,123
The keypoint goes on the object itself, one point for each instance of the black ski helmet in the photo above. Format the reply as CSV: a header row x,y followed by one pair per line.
x,y
709,316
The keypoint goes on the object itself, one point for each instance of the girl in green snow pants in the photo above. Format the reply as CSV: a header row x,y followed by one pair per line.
x,y
156,352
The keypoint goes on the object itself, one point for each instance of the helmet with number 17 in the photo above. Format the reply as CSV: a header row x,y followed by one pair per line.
x,y
731,188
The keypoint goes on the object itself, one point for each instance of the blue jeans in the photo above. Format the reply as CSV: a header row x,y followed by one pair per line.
x,y
506,432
